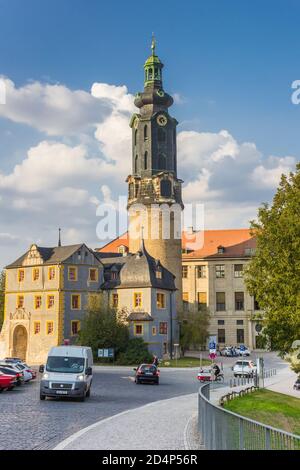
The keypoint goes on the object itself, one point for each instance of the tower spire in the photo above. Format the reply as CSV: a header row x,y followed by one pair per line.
x,y
153,44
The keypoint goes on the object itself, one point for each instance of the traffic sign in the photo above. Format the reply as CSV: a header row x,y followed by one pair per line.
x,y
212,345
212,355
242,347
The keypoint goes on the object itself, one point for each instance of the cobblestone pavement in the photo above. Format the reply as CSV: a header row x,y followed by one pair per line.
x,y
28,423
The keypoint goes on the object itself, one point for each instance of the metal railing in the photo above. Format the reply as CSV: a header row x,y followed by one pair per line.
x,y
221,429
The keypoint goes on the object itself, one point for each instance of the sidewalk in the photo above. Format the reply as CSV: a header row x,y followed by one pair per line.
x,y
163,425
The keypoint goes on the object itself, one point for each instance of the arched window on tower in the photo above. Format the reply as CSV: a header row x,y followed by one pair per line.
x,y
135,136
145,132
136,164
150,74
162,161
165,188
161,135
146,161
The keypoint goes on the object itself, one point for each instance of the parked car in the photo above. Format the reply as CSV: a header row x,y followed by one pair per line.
x,y
297,384
229,352
7,382
10,371
146,373
19,367
243,351
12,359
244,368
27,371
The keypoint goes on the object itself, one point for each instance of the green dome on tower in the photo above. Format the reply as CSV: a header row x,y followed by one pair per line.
x,y
153,68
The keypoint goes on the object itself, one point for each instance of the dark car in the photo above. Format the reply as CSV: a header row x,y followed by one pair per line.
x,y
10,371
147,373
297,384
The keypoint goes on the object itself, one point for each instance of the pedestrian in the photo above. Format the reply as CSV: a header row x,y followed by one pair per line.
x,y
155,361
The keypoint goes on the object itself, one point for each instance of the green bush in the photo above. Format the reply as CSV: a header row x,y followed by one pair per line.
x,y
136,352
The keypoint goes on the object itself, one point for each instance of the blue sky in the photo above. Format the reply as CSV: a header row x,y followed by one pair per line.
x,y
230,63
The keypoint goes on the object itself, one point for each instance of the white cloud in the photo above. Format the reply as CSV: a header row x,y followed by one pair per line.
x,y
270,177
53,109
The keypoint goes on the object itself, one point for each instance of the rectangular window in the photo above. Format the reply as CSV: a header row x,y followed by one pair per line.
x,y
93,275
75,302
137,299
239,301
220,302
153,330
163,328
160,300
20,301
138,330
72,274
184,272
51,273
36,327
35,274
201,271
221,336
21,275
240,322
185,298
115,300
49,327
38,302
202,300
165,346
238,270
50,301
256,304
240,337
220,271
221,322
75,327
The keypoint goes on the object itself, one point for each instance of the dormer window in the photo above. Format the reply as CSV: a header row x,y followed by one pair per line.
x,y
158,273
122,249
221,250
113,275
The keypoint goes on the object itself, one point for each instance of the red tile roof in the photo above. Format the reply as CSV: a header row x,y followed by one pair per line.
x,y
202,244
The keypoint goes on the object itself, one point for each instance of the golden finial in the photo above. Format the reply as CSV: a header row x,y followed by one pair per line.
x,y
153,44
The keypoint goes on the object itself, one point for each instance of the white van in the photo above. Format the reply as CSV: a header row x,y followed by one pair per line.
x,y
68,372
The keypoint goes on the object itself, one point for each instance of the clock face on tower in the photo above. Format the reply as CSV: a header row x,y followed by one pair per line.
x,y
161,120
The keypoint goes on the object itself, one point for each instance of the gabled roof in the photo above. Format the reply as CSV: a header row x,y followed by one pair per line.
x,y
237,243
54,255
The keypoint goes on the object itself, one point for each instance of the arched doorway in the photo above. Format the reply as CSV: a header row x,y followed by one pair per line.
x,y
20,342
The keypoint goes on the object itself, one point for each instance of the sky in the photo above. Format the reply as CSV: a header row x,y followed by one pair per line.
x,y
71,69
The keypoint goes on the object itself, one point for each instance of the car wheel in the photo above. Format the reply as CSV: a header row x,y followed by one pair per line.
x,y
82,398
42,397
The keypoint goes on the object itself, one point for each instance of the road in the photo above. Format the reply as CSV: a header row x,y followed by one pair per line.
x,y
28,423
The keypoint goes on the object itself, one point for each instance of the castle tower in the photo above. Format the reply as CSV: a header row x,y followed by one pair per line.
x,y
154,191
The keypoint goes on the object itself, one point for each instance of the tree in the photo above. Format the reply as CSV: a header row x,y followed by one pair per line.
x,y
101,329
273,275
193,328
2,296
